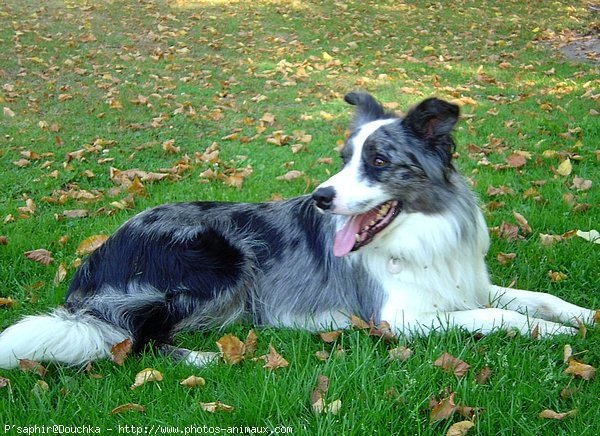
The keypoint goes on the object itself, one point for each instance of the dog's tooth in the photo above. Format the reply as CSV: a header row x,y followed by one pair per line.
x,y
357,237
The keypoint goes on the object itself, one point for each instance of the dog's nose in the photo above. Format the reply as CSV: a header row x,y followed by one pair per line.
x,y
323,197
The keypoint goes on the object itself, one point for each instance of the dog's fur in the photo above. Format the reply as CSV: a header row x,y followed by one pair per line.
x,y
396,235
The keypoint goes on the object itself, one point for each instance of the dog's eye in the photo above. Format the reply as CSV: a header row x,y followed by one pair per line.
x,y
379,162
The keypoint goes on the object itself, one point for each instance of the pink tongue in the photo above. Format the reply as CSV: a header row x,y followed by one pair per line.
x,y
345,237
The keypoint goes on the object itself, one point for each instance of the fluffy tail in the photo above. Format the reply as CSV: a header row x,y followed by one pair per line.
x,y
61,336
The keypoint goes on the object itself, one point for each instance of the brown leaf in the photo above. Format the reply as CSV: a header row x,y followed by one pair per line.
x,y
460,428
145,376
32,366
274,360
291,175
504,258
129,407
400,353
551,414
578,369
61,274
76,213
193,381
41,255
383,330
3,240
581,184
120,351
449,363
523,224
7,302
250,343
231,348
358,323
322,355
4,382
90,244
482,376
329,337
516,160
443,409
216,406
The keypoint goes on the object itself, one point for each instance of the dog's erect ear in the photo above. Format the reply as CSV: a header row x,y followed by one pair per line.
x,y
367,108
432,118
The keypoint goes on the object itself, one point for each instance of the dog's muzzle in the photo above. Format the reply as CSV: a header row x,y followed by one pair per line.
x,y
323,197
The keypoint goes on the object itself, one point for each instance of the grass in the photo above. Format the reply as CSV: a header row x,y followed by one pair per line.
x,y
72,75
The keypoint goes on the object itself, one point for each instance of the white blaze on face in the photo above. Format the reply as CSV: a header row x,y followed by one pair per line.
x,y
353,193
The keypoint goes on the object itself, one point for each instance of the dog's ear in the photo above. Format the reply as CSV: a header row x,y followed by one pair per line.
x,y
432,118
367,108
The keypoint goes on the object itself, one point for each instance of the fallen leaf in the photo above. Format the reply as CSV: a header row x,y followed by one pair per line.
x,y
557,276
449,363
274,360
216,406
443,409
322,355
358,323
7,302
548,240
250,343
578,369
231,348
193,381
551,414
329,337
3,240
32,366
41,255
567,353
291,175
145,376
460,428
504,258
565,167
4,382
523,224
129,407
76,213
8,112
591,236
581,184
516,160
61,274
400,353
90,244
120,351
483,376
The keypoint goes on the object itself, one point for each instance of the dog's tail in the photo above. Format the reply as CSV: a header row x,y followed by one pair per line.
x,y
72,338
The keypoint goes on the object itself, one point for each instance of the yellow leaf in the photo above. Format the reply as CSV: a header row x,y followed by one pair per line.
x,y
460,428
193,381
90,244
578,369
551,414
565,167
216,406
145,376
129,407
60,275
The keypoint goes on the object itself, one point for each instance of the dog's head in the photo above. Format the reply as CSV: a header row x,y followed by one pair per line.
x,y
390,164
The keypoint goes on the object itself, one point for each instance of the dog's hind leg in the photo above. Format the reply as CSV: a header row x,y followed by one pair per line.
x,y
540,305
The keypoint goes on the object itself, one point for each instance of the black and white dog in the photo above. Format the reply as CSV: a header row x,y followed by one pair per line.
x,y
396,235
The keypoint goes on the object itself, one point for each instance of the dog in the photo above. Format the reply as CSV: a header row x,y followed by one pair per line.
x,y
395,235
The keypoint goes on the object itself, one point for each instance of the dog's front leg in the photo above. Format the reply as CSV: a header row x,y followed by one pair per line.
x,y
485,321
540,305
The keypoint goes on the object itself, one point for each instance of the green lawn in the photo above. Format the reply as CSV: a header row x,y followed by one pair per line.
x,y
93,88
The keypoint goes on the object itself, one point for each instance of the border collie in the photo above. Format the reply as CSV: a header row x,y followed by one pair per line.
x,y
396,235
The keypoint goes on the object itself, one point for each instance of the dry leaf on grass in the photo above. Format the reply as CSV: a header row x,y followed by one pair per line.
x,y
591,236
120,351
216,406
193,381
452,364
129,407
460,428
90,244
7,302
329,337
145,376
400,353
317,398
551,414
250,343
578,369
231,348
41,255
4,382
274,360
32,366
482,376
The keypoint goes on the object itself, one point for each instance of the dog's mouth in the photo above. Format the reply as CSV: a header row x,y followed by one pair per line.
x,y
360,229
